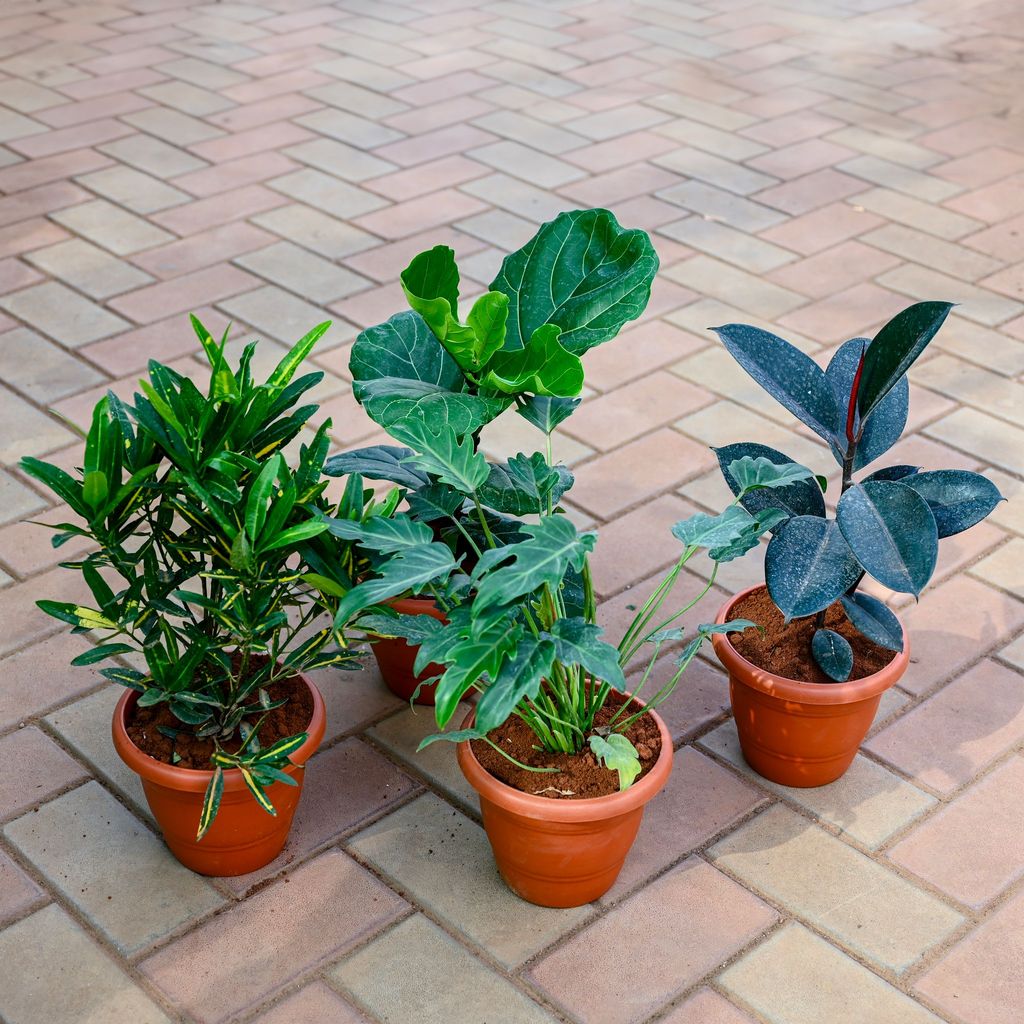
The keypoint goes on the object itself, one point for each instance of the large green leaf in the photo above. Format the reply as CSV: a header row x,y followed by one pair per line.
x,y
581,272
519,679
524,485
439,452
553,545
958,499
808,565
892,532
894,349
578,642
544,412
543,367
872,618
391,402
404,347
383,534
378,462
408,570
793,379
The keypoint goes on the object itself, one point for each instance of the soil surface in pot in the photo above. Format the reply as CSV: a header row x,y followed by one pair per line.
x,y
580,776
287,720
785,649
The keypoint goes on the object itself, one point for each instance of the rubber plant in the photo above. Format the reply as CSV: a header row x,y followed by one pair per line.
x,y
202,541
571,287
888,521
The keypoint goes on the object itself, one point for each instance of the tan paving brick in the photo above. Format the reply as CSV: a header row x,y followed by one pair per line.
x,y
34,768
803,960
128,187
314,1004
982,436
601,975
18,892
88,268
707,1007
315,230
111,227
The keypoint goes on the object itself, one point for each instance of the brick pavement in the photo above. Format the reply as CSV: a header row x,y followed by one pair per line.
x,y
811,166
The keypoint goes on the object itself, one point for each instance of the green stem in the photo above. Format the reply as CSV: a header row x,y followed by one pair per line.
x,y
518,764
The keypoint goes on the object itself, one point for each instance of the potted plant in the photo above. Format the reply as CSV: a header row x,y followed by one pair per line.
x,y
564,753
806,685
520,345
203,538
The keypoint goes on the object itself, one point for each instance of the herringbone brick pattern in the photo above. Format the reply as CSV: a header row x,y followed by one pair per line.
x,y
808,166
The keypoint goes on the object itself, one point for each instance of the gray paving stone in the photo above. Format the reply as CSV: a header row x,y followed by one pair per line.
x,y
275,313
63,314
140,192
111,227
41,370
24,430
89,269
315,230
300,271
120,875
153,156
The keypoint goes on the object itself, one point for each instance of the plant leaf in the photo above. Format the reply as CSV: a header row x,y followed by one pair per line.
x,y
581,272
765,520
542,367
431,284
285,370
578,642
211,802
414,629
755,473
874,620
958,499
487,320
438,452
392,402
378,462
808,565
892,533
381,534
545,412
524,485
619,755
519,679
833,653
704,531
894,348
799,498
793,379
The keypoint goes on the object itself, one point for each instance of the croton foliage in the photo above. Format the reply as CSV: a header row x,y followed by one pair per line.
x,y
888,523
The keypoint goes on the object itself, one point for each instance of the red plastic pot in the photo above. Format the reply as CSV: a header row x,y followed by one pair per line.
x,y
798,733
562,853
395,657
243,837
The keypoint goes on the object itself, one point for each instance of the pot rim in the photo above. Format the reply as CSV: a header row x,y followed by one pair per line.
x,y
589,809
416,606
740,669
195,780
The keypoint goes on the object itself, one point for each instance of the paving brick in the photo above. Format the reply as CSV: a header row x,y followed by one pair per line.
x,y
979,979
339,159
980,435
632,961
88,268
803,960
315,230
180,294
139,192
65,978
980,715
153,156
438,842
18,892
325,907
41,370
302,272
709,276
707,1007
111,227
976,303
122,878
440,981
314,1004
916,213
34,768
275,313
1002,568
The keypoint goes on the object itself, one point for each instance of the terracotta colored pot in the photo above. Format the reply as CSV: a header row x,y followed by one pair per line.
x,y
796,733
395,657
243,837
562,853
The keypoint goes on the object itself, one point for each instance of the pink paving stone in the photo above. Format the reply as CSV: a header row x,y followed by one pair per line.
x,y
845,314
626,965
973,848
386,262
233,174
44,199
92,134
801,195
606,156
418,214
30,173
256,140
71,114
835,269
157,301
637,351
707,1007
255,115
344,787
204,214
103,85
432,145
317,913
314,1004
14,275
821,228
954,623
981,979
224,242
700,800
17,891
944,742
32,769
447,172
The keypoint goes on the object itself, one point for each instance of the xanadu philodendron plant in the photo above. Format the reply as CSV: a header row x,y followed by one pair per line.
x,y
205,539
888,523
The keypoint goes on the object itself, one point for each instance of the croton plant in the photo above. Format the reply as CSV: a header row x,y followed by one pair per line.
x,y
489,541
888,523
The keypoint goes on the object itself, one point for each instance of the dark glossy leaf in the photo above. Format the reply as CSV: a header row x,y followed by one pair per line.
x,y
414,629
892,533
894,348
211,802
886,424
578,642
101,652
405,348
543,367
544,412
378,462
958,499
431,284
524,485
519,679
833,654
891,473
433,502
801,498
874,619
581,272
793,379
808,565
487,321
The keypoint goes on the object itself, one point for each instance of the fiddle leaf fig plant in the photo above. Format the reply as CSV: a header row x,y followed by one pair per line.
x,y
888,523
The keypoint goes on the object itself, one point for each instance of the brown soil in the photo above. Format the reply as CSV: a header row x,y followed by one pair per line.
x,y
785,650
581,776
287,720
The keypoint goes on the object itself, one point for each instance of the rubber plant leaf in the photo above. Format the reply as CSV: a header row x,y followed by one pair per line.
x,y
544,367
792,378
875,620
892,533
583,273
894,348
958,498
808,565
833,654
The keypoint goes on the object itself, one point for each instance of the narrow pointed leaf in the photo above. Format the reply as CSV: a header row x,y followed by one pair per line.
x,y
211,802
285,370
